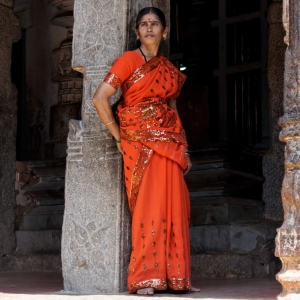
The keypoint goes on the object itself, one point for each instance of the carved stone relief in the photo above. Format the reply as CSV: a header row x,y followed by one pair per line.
x,y
288,237
70,81
94,250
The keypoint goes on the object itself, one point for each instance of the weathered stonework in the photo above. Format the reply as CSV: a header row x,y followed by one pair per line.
x,y
273,162
9,33
288,237
96,228
95,243
70,81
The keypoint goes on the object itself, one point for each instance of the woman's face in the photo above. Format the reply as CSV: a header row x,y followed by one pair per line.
x,y
150,30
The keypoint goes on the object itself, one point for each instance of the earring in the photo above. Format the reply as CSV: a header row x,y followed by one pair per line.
x,y
137,38
165,37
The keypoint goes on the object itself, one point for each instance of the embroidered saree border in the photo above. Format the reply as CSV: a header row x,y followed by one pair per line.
x,y
137,175
141,72
153,136
175,284
113,80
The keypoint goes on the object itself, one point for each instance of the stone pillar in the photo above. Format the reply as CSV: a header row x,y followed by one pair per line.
x,y
96,228
70,81
273,161
9,33
288,236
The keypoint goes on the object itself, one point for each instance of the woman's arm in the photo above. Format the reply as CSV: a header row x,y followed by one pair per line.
x,y
101,102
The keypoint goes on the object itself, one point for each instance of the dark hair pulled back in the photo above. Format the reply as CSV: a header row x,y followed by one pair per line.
x,y
150,10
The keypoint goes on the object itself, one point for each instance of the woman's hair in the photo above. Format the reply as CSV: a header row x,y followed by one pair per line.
x,y
151,10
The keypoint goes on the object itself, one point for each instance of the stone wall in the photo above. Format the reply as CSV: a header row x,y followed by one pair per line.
x,y
288,235
9,33
273,162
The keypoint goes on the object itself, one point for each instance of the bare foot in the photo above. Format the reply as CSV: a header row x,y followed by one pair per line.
x,y
147,291
195,290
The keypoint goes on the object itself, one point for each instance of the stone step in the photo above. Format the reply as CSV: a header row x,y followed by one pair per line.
x,y
43,218
48,197
33,263
38,242
223,210
214,174
226,265
255,237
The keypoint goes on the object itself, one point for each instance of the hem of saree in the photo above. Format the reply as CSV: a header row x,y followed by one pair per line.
x,y
175,284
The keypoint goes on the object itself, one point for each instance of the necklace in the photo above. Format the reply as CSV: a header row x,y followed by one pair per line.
x,y
143,54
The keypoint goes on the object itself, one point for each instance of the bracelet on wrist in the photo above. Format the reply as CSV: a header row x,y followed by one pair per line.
x,y
116,141
108,123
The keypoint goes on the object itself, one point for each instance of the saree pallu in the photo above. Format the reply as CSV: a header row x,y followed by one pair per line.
x,y
153,143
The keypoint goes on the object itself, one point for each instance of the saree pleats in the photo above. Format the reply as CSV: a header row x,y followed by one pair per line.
x,y
160,229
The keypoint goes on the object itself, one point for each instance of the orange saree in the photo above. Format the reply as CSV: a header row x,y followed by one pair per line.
x,y
153,143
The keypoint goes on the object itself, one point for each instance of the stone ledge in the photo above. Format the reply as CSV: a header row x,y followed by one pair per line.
x,y
224,265
35,263
241,237
38,242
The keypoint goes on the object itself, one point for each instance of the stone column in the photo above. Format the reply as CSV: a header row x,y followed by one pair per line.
x,y
95,242
70,81
273,161
9,33
288,237
96,229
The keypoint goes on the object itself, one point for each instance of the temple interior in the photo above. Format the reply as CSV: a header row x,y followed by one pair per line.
x,y
232,52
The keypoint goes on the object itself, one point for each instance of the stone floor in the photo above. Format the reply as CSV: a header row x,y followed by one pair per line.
x,y
44,286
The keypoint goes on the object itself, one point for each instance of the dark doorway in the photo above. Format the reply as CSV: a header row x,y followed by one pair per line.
x,y
222,46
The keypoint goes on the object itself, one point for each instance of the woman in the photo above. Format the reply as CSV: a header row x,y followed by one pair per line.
x,y
153,144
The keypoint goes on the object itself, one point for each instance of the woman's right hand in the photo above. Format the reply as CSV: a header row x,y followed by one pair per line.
x,y
120,148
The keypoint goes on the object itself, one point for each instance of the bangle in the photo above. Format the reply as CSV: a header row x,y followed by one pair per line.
x,y
117,141
108,123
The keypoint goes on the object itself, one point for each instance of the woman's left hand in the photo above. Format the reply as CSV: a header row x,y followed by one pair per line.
x,y
189,164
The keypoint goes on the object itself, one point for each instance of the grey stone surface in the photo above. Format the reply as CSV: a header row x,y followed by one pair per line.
x,y
38,242
240,237
43,218
273,161
95,243
33,263
250,237
9,33
225,265
287,239
209,238
223,210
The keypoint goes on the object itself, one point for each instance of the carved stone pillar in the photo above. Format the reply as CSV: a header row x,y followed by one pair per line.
x,y
70,81
95,242
9,33
273,161
96,228
288,237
